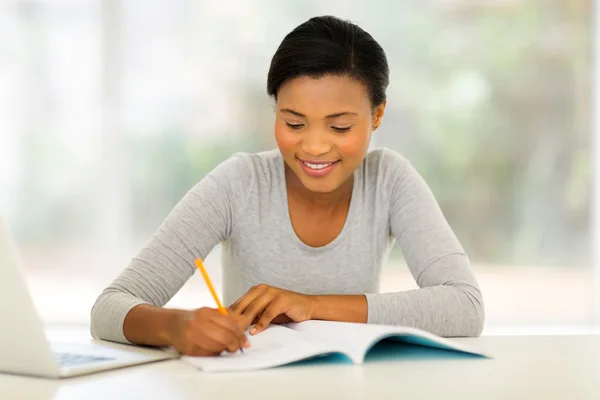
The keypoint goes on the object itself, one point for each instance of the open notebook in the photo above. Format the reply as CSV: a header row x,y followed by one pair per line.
x,y
284,344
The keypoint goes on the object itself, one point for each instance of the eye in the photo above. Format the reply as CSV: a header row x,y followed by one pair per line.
x,y
294,126
341,129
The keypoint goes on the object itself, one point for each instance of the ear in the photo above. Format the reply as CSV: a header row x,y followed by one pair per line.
x,y
378,114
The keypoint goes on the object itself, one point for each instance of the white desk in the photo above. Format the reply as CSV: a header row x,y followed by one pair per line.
x,y
524,367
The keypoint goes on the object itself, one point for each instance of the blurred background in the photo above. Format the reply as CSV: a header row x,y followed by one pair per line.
x,y
111,110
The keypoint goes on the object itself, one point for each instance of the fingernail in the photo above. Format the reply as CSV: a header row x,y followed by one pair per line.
x,y
252,331
246,344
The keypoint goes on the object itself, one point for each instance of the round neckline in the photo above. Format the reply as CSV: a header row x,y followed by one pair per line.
x,y
288,219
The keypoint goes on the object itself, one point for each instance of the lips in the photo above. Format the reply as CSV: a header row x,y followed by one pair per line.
x,y
317,168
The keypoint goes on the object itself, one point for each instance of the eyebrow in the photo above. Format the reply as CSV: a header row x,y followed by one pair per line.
x,y
290,111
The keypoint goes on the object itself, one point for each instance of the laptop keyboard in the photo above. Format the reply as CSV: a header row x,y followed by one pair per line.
x,y
71,359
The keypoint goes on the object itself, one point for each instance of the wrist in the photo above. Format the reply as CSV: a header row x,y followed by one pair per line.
x,y
172,325
344,308
315,307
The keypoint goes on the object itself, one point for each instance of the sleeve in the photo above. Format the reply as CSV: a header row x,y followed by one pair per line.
x,y
448,302
204,217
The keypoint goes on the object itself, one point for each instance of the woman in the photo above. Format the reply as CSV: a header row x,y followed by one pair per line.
x,y
305,228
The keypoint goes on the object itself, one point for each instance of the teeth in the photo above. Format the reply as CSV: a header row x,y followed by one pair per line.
x,y
317,166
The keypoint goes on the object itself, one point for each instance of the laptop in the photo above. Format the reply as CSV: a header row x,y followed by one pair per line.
x,y
24,347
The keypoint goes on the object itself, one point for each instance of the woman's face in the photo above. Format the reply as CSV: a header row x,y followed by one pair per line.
x,y
323,128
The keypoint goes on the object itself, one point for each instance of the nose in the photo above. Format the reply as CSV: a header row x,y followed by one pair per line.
x,y
315,143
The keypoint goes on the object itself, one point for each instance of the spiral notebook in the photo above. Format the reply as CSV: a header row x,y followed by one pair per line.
x,y
280,345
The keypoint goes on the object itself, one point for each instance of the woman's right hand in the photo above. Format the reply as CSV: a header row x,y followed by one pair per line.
x,y
207,332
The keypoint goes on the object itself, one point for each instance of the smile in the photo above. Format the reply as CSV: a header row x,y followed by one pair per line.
x,y
317,168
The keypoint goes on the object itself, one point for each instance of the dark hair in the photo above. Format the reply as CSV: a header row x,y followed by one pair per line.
x,y
330,46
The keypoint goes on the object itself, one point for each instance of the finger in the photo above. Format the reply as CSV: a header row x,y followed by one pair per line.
x,y
227,321
234,306
244,301
251,292
256,319
277,307
281,319
204,345
259,305
231,321
197,351
200,352
240,320
232,325
212,331
226,339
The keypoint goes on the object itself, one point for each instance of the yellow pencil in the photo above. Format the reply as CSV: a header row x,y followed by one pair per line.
x,y
220,307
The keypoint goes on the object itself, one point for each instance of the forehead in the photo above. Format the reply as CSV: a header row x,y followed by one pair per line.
x,y
324,95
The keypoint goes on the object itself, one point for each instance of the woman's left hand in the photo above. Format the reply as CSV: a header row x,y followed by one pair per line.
x,y
264,304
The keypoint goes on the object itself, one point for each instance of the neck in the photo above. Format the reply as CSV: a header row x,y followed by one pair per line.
x,y
324,201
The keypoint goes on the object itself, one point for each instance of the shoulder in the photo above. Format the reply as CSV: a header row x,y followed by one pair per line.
x,y
261,163
392,174
238,178
386,157
244,174
247,165
383,165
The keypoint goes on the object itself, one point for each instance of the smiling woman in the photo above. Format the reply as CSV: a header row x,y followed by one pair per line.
x,y
306,227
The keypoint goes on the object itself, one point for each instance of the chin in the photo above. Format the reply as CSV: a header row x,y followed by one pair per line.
x,y
319,187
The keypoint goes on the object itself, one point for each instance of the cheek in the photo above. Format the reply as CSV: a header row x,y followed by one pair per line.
x,y
355,145
285,139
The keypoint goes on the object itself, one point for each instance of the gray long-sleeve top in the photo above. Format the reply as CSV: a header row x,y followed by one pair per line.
x,y
243,205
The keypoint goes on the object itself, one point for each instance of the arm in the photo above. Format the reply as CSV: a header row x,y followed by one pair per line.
x,y
448,301
203,218
343,308
149,325
202,332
